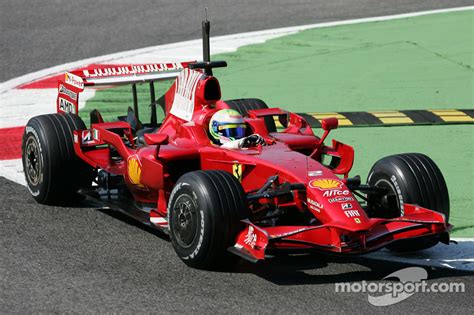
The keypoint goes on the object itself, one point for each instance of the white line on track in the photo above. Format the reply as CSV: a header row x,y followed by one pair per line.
x,y
21,107
458,256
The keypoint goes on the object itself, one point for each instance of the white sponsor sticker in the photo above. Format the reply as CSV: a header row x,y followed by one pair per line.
x,y
315,173
346,206
315,205
87,137
340,199
251,237
74,80
183,103
352,213
66,91
336,192
131,70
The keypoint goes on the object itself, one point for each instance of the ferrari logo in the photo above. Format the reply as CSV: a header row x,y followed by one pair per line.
x,y
357,220
324,184
237,171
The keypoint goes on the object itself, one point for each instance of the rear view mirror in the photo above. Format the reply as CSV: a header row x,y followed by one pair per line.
x,y
156,138
329,123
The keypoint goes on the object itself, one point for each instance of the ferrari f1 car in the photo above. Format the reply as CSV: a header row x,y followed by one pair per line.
x,y
293,194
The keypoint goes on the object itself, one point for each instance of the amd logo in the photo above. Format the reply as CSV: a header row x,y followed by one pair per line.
x,y
66,106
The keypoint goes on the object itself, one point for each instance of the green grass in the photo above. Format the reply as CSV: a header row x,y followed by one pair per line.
x,y
451,147
416,63
114,102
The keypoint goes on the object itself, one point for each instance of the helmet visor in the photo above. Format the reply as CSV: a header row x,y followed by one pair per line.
x,y
235,131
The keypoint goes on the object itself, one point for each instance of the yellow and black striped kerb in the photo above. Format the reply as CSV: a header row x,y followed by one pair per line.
x,y
393,118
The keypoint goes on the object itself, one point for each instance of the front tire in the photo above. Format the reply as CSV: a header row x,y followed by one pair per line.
x,y
204,214
411,178
53,172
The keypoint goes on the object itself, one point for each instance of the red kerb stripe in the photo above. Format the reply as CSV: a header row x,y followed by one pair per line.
x,y
10,143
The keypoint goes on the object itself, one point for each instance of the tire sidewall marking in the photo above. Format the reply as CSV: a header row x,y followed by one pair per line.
x,y
393,178
200,240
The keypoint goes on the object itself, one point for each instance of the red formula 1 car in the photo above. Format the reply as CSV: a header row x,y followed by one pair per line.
x,y
292,194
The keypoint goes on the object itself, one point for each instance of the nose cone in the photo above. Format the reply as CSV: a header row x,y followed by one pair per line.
x,y
332,202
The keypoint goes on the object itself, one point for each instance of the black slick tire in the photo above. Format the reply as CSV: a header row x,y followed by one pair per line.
x,y
412,178
205,210
53,172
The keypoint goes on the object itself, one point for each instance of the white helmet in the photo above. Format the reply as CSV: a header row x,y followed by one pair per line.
x,y
227,125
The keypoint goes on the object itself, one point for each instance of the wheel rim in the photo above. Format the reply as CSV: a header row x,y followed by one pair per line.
x,y
389,202
34,162
184,218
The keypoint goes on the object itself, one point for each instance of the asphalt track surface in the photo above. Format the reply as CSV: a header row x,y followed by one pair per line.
x,y
41,34
80,259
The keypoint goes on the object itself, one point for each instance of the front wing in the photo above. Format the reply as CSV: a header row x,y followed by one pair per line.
x,y
254,242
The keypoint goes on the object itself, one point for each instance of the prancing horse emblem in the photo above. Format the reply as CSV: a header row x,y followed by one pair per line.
x,y
237,171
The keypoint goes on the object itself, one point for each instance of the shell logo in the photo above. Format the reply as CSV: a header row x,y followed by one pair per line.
x,y
324,184
134,170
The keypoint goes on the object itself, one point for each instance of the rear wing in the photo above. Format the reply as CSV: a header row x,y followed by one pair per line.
x,y
75,81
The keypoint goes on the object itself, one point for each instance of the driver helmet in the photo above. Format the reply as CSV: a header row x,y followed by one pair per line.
x,y
226,125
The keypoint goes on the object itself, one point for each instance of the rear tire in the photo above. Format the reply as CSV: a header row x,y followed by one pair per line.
x,y
410,178
53,172
243,105
204,214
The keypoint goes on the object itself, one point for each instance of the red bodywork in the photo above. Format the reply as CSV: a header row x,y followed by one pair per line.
x,y
295,154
